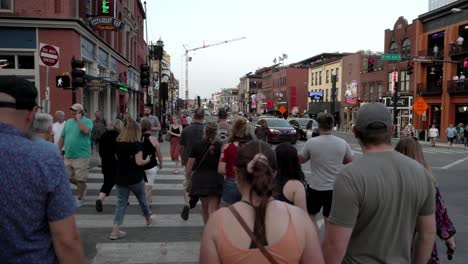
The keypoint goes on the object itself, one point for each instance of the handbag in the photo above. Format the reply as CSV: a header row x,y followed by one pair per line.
x,y
168,137
252,236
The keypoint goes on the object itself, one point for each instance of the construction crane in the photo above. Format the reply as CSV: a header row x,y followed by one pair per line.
x,y
187,58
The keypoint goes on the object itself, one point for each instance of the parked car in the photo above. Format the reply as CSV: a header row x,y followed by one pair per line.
x,y
300,125
275,130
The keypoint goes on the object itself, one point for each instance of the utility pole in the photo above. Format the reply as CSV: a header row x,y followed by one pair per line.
x,y
395,104
187,59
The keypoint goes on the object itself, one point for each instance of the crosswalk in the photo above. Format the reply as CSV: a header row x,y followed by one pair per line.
x,y
429,150
169,240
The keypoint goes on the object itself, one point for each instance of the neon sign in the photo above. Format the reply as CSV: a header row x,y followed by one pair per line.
x,y
105,6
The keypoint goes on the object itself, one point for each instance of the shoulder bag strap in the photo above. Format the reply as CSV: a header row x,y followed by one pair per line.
x,y
252,236
201,161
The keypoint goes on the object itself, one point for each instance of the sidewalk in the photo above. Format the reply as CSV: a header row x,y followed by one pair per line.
x,y
422,142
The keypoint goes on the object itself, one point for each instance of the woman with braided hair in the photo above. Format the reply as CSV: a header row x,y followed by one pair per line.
x,y
259,229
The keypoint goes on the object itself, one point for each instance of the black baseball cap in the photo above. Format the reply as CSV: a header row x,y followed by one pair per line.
x,y
24,92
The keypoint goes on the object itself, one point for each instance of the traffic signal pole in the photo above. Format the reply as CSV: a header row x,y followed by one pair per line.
x,y
395,104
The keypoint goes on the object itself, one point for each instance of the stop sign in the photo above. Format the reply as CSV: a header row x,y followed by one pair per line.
x,y
49,55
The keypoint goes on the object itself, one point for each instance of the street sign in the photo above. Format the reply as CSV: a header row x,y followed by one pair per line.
x,y
391,57
420,106
282,109
423,59
62,81
49,55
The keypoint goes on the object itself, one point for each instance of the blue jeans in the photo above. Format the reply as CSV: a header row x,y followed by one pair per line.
x,y
466,141
123,193
231,194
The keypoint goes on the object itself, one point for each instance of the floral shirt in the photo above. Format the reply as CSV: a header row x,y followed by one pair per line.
x,y
34,191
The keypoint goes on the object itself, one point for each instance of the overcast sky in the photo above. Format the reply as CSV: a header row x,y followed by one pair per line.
x,y
298,28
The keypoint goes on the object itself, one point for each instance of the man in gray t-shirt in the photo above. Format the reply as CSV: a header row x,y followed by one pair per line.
x,y
327,154
155,125
380,201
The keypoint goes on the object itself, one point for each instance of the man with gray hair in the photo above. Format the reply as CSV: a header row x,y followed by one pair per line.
x,y
42,131
57,127
380,201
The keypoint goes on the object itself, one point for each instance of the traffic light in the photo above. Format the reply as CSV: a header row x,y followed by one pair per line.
x,y
77,73
144,75
410,67
465,63
370,64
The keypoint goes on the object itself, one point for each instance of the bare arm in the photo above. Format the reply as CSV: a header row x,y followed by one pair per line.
x,y
294,191
208,251
158,154
336,243
84,129
60,144
66,240
312,252
189,167
426,234
139,159
302,159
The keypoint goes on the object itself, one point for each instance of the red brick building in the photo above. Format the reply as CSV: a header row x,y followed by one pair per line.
x,y
77,29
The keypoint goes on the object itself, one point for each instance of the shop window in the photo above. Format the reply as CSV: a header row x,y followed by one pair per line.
x,y
6,5
25,62
7,62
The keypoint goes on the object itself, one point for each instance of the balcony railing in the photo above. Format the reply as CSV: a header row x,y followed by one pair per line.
x,y
429,89
458,87
430,53
457,50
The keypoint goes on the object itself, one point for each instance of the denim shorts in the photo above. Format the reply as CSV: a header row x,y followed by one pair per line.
x,y
231,194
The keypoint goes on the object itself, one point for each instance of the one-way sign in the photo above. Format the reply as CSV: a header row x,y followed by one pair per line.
x,y
62,81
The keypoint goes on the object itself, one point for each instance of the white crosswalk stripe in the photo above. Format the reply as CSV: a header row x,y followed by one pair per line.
x,y
358,151
169,240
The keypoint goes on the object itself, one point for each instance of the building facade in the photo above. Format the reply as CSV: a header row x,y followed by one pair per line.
x,y
402,39
249,85
440,79
434,4
108,38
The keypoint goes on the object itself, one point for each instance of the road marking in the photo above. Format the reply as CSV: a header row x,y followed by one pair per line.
x,y
448,166
160,176
156,187
167,220
155,252
156,200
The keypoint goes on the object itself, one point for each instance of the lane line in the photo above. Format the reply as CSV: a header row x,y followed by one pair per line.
x,y
155,252
448,166
156,187
132,220
156,200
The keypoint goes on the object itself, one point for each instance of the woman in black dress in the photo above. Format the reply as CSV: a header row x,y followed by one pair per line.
x,y
107,149
206,182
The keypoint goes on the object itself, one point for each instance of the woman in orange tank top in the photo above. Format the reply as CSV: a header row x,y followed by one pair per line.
x,y
290,238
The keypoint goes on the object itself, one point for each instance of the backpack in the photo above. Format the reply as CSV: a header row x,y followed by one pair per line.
x,y
223,135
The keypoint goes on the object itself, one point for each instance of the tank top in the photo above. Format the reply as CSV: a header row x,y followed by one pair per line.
x,y
175,131
285,251
279,192
149,149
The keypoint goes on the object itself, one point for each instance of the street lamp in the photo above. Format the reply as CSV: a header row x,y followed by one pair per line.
x,y
159,52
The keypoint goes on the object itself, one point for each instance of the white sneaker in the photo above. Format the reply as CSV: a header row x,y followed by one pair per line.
x,y
80,203
117,236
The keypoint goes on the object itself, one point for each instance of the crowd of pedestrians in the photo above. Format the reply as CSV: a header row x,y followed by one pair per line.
x,y
258,205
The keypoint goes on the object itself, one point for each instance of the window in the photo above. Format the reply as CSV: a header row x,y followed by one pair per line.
x,y
6,5
371,92
379,90
326,77
7,62
406,48
320,78
364,92
404,81
337,74
25,62
390,76
393,47
316,78
326,95
331,73
312,79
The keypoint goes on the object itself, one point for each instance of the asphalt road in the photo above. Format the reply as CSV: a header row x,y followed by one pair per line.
x,y
172,240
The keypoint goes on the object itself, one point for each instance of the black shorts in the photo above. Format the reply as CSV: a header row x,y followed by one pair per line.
x,y
450,139
321,199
